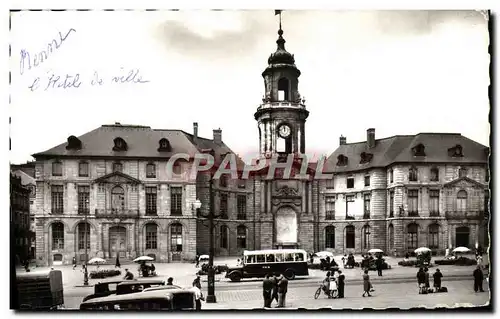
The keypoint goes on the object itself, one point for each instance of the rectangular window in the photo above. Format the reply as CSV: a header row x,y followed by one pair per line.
x,y
391,176
223,237
57,199
241,183
330,207
367,180
56,169
118,167
175,200
223,206
223,181
349,202
330,183
434,202
176,238
350,182
413,202
330,237
241,237
151,236
391,204
151,200
83,199
366,211
83,169
57,237
81,236
150,171
242,207
433,237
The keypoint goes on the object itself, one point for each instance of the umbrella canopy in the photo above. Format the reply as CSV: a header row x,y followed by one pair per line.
x,y
461,250
143,258
204,257
375,250
422,250
96,260
324,254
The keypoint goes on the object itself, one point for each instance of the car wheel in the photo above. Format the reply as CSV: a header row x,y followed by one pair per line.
x,y
235,277
289,274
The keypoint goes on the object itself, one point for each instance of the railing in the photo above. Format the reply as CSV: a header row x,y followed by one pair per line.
x,y
434,214
464,214
272,105
151,212
366,216
241,216
349,217
412,214
116,213
83,211
330,215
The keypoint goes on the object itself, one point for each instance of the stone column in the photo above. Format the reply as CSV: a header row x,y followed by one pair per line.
x,y
450,231
476,236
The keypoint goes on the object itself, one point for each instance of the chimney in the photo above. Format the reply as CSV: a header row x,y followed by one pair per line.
x,y
343,140
218,136
370,137
195,130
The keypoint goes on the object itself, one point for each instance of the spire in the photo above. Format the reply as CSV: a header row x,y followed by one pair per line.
x,y
281,41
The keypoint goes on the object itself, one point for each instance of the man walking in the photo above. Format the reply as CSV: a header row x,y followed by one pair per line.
x,y
267,287
74,263
341,284
437,279
274,294
198,296
282,290
197,282
379,262
478,279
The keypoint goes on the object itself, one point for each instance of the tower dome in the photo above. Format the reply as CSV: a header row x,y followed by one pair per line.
x,y
281,56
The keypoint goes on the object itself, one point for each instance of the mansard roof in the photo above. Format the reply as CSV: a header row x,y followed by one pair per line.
x,y
400,149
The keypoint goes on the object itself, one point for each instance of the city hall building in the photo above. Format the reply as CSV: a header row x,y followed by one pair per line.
x,y
108,192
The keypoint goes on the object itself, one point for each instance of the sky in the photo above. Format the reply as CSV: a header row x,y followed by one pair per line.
x,y
400,72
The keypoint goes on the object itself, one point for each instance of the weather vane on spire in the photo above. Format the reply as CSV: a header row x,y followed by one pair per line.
x,y
276,12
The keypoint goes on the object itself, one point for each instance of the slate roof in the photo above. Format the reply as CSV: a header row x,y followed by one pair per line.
x,y
398,149
142,142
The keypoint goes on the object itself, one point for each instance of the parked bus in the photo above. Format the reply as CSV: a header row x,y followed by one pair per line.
x,y
258,263
40,290
169,299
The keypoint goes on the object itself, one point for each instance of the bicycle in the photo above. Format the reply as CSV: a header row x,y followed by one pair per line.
x,y
329,293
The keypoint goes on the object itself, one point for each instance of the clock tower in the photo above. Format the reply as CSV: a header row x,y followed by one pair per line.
x,y
282,115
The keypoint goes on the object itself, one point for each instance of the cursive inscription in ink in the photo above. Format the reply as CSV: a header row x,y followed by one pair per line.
x,y
29,61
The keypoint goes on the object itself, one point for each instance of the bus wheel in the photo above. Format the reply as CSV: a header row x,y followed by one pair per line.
x,y
235,277
289,274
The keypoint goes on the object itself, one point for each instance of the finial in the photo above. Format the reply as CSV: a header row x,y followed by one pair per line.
x,y
281,41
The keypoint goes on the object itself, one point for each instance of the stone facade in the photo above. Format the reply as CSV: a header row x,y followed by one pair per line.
x,y
20,220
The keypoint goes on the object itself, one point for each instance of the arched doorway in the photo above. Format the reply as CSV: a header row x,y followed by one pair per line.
x,y
286,227
462,236
118,241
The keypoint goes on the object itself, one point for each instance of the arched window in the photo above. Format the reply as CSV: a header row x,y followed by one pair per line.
x,y
57,236
413,174
164,145
433,236
329,237
83,235
224,232
241,237
366,237
350,237
283,89
434,174
461,200
391,237
412,236
117,199
150,170
120,144
152,236
176,237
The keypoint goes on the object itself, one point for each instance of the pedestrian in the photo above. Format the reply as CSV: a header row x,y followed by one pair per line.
x,y
326,283
421,279
478,279
437,279
197,261
344,260
479,260
282,290
379,263
341,284
311,257
274,295
170,281
198,296
128,275
74,263
197,282
117,262
427,282
366,284
333,284
267,289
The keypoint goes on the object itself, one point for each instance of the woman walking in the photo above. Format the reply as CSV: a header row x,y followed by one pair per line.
x,y
366,284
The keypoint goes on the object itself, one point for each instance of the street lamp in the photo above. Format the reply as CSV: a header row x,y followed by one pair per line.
x,y
85,272
211,216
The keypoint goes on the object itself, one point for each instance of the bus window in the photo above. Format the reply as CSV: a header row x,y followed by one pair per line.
x,y
269,258
280,258
249,259
299,257
261,258
289,257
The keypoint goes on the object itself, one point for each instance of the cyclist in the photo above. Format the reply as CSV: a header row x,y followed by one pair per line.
x,y
326,283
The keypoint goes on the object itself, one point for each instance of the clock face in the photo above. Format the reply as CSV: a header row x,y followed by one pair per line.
x,y
284,130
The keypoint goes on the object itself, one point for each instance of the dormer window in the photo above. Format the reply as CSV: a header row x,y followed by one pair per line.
x,y
57,168
164,145
365,158
120,144
342,160
117,167
455,151
418,150
74,143
413,174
